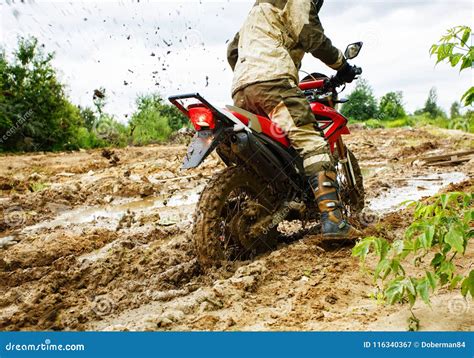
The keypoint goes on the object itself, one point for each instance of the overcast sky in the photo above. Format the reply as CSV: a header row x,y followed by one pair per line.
x,y
171,47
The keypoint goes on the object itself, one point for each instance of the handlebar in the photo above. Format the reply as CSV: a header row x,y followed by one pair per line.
x,y
327,84
334,81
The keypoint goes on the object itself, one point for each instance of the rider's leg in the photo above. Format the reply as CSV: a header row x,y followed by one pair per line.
x,y
284,103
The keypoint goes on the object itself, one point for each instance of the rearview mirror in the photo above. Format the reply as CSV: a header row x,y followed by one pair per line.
x,y
352,51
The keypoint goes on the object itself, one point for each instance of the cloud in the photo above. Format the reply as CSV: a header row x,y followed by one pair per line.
x,y
110,44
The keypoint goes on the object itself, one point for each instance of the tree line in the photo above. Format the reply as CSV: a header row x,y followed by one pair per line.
x,y
36,114
390,110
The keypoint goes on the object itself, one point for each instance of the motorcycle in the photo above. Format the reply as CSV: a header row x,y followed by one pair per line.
x,y
264,182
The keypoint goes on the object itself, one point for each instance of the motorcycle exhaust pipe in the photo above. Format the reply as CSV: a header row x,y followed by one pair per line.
x,y
257,156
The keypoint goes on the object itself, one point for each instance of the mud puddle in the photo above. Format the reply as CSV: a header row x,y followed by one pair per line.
x,y
110,215
414,189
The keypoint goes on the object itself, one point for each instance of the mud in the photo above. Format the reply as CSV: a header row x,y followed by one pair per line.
x,y
90,243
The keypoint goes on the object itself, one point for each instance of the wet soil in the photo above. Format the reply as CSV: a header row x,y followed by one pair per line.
x,y
89,242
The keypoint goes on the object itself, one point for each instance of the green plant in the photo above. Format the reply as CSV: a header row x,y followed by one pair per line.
x,y
441,231
374,123
34,109
35,187
431,106
455,49
362,104
402,122
455,110
391,106
154,120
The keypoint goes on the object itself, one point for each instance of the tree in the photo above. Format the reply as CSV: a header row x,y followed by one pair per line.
x,y
391,106
34,110
88,117
362,104
455,110
148,123
455,49
431,105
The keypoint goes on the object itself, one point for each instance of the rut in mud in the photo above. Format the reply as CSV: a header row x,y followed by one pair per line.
x,y
91,243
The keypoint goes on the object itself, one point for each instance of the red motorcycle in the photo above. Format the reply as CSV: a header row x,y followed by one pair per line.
x,y
264,184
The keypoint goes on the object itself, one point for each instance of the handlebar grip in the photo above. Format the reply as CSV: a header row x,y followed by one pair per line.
x,y
357,70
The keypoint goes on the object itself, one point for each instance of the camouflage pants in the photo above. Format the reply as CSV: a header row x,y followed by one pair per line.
x,y
286,106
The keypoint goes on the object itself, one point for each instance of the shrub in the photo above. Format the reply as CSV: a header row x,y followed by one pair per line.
x,y
441,230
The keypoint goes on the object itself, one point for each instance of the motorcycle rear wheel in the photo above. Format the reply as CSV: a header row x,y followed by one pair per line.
x,y
232,201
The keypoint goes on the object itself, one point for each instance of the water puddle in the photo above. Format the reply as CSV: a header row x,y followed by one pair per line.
x,y
7,241
415,189
110,215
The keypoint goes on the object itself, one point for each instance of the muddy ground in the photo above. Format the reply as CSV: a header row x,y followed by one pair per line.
x,y
101,241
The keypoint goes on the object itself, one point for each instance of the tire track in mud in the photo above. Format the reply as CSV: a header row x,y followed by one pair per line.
x,y
138,274
68,292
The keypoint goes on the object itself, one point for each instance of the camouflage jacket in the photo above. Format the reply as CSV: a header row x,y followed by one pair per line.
x,y
273,40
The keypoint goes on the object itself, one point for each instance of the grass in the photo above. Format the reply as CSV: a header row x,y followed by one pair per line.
x,y
463,124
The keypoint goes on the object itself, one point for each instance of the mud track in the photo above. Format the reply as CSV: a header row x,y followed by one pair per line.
x,y
90,243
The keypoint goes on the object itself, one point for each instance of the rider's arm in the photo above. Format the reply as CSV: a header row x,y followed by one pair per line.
x,y
233,51
308,30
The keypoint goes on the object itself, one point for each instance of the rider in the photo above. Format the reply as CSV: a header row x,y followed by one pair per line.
x,y
265,56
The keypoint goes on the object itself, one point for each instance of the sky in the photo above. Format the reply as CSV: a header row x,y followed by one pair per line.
x,y
170,47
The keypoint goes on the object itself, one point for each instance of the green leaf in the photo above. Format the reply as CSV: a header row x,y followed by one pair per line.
x,y
431,279
455,281
362,248
447,268
426,239
433,49
455,238
410,286
381,247
455,58
444,51
468,97
465,36
423,289
467,285
382,267
468,217
466,63
396,267
444,200
394,291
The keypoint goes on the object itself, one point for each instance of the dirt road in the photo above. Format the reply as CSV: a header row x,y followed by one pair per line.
x,y
94,242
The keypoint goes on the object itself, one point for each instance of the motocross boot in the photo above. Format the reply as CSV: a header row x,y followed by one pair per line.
x,y
333,225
